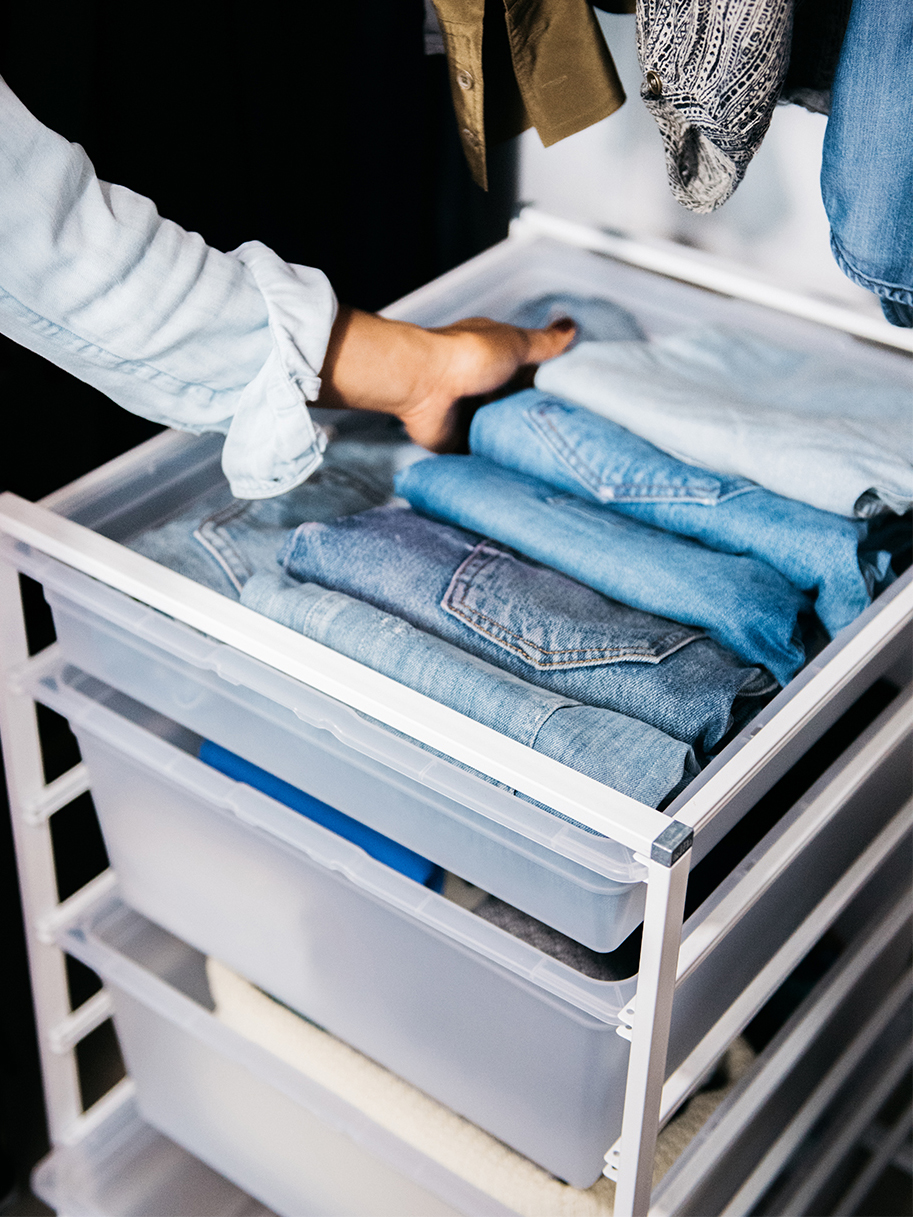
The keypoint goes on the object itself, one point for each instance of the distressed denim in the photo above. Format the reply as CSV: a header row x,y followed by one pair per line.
x,y
220,541
817,428
532,621
573,449
743,604
867,159
629,756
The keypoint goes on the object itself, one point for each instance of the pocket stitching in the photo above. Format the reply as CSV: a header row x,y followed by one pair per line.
x,y
623,491
453,602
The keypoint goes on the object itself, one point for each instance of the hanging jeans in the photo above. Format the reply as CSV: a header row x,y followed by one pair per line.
x,y
573,449
629,756
827,431
532,621
743,604
867,160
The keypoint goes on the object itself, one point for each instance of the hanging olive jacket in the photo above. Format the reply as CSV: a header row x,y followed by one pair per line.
x,y
516,64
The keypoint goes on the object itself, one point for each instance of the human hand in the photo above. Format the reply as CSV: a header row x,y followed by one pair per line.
x,y
431,379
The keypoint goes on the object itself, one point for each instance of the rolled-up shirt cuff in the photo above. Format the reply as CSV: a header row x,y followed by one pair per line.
x,y
273,443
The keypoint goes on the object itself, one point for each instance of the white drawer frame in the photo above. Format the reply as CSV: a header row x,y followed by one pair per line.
x,y
877,642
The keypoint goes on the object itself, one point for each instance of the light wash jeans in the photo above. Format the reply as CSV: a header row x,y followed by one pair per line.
x,y
532,621
597,320
743,604
573,449
627,755
220,541
867,162
820,429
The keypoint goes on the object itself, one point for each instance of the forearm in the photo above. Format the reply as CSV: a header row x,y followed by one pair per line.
x,y
92,278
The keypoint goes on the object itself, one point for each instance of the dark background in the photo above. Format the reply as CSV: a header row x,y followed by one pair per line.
x,y
322,130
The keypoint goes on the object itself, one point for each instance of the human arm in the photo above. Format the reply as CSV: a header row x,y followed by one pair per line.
x,y
94,279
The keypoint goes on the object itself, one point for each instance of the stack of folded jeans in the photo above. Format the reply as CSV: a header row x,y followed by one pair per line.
x,y
233,545
591,457
528,619
826,431
628,755
743,604
574,490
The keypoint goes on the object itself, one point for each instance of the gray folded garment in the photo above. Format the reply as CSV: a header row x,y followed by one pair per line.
x,y
614,965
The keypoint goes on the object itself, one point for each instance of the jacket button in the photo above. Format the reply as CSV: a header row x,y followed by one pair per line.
x,y
464,79
654,83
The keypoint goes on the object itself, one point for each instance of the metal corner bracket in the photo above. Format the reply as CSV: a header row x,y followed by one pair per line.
x,y
672,843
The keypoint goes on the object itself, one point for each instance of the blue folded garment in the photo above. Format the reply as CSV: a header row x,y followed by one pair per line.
x,y
374,843
744,604
545,628
619,751
575,450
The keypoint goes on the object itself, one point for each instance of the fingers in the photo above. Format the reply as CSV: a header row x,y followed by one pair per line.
x,y
546,344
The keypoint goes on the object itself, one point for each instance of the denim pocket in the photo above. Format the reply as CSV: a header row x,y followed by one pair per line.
x,y
613,465
245,536
486,593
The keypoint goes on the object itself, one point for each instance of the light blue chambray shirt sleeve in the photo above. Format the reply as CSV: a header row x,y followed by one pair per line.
x,y
93,279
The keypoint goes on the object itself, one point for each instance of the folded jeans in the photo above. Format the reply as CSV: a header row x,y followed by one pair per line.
x,y
629,756
743,604
531,620
575,450
814,427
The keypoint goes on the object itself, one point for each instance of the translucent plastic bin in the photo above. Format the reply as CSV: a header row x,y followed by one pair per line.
x,y
281,1136
266,1127
124,1168
588,887
515,1040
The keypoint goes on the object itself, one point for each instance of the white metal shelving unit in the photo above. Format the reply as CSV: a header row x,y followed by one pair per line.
x,y
877,644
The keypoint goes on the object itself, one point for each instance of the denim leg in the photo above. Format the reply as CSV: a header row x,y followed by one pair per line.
x,y
531,620
618,751
867,162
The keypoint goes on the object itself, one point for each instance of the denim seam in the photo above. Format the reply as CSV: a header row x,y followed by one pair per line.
x,y
621,491
220,546
462,582
886,291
